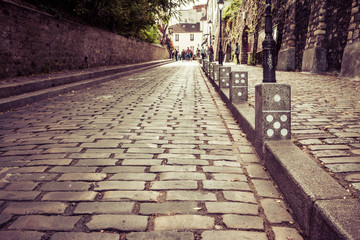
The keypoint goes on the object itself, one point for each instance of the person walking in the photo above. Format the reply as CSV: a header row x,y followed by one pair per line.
x,y
237,52
211,54
176,54
203,55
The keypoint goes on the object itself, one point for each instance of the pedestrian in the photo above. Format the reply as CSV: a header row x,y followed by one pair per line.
x,y
237,52
211,54
183,54
203,53
176,54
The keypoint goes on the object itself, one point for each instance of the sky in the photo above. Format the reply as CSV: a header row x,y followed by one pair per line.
x,y
197,2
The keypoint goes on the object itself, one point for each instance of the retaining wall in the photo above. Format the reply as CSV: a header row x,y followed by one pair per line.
x,y
34,42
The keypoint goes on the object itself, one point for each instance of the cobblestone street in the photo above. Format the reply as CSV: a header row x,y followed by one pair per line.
x,y
154,155
325,120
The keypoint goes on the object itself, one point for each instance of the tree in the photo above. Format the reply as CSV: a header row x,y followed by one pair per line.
x,y
130,18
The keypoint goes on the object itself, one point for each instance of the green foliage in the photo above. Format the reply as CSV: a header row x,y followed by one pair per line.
x,y
232,11
130,18
150,34
251,60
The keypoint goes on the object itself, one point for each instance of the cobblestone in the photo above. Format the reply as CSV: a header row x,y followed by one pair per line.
x,y
155,155
134,176
162,235
131,195
239,196
65,186
182,176
119,222
225,185
119,185
34,222
276,211
82,177
183,222
233,235
168,208
69,196
243,222
231,207
16,235
104,207
284,232
84,236
169,185
22,208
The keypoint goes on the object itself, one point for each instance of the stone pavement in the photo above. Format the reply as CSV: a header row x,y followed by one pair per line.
x,y
325,120
154,155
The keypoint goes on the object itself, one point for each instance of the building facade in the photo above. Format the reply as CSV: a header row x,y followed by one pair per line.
x,y
189,32
186,36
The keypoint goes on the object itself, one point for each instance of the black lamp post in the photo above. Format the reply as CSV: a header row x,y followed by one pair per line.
x,y
268,47
221,5
210,22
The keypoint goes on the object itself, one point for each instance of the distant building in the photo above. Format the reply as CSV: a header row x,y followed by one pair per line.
x,y
193,15
186,35
189,32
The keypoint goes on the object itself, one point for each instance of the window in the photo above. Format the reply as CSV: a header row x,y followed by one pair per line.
x,y
191,37
176,37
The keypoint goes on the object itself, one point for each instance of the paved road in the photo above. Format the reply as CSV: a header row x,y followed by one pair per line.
x,y
325,120
155,155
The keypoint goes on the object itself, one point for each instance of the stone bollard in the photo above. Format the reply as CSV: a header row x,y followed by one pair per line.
x,y
213,74
207,68
203,64
216,72
238,87
224,75
272,112
211,71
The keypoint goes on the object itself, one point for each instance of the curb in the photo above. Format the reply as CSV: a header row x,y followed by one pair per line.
x,y
21,94
323,208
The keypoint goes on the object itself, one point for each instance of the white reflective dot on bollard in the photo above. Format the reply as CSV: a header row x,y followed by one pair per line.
x,y
277,98
237,81
284,132
283,118
239,94
270,132
277,125
269,118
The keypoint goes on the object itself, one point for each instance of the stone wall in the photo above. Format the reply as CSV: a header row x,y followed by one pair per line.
x,y
35,42
313,35
351,58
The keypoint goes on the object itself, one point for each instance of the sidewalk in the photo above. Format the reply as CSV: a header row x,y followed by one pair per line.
x,y
324,209
20,91
153,155
325,120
